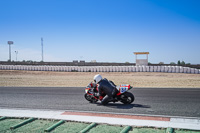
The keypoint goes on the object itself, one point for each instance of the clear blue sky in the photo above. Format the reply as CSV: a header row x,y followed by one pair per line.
x,y
101,30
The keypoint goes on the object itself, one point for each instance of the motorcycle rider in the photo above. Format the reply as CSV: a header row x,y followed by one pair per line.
x,y
105,86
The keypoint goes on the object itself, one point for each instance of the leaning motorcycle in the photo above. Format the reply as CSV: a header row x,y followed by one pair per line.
x,y
122,95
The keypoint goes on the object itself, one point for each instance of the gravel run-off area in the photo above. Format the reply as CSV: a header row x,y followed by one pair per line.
x,y
18,78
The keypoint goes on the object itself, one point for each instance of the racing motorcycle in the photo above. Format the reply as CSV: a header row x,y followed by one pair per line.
x,y
122,95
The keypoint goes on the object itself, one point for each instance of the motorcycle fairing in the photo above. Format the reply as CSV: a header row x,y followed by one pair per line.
x,y
123,88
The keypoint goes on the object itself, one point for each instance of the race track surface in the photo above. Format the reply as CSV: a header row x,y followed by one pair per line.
x,y
148,101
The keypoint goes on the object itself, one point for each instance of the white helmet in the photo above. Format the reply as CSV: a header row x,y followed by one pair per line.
x,y
97,78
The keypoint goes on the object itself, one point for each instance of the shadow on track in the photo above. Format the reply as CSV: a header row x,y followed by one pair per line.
x,y
124,106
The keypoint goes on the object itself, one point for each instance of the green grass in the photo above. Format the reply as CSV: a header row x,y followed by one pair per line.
x,y
186,131
147,130
70,127
7,123
103,128
38,126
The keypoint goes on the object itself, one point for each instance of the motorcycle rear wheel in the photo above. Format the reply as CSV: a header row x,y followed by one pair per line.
x,y
127,98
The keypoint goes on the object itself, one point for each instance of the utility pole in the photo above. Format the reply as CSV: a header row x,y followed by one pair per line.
x,y
42,49
16,52
9,43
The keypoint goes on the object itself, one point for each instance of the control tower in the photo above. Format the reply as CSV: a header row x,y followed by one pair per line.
x,y
141,62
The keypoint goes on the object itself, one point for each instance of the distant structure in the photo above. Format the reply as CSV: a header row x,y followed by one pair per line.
x,y
141,62
93,61
10,43
42,49
16,52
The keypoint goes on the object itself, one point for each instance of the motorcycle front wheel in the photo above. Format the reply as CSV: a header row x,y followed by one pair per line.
x,y
127,98
90,98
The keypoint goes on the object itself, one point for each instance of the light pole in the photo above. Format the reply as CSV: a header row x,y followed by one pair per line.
x,y
9,43
42,49
16,52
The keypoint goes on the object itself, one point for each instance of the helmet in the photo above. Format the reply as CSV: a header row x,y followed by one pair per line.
x,y
97,78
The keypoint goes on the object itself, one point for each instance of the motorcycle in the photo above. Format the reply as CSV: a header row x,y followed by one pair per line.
x,y
122,95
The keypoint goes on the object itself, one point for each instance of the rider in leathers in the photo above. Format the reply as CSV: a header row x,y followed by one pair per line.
x,y
106,87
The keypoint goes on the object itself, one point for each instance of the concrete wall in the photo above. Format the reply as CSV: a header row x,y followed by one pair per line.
x,y
141,62
165,69
75,63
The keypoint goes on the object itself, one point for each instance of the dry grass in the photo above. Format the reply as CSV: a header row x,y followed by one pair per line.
x,y
81,79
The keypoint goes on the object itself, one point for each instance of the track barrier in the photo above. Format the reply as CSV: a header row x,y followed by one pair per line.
x,y
165,69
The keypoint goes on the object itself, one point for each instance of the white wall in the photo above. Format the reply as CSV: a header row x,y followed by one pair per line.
x,y
166,69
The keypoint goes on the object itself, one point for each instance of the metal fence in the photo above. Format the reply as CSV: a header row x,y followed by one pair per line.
x,y
166,69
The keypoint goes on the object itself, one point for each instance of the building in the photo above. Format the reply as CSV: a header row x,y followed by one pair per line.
x,y
141,62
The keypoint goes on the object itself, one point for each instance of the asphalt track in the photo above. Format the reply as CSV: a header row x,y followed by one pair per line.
x,y
148,101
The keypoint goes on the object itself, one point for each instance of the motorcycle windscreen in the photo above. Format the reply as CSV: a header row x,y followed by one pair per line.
x,y
86,90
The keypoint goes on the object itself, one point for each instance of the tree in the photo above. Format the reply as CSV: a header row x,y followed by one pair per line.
x,y
183,63
179,62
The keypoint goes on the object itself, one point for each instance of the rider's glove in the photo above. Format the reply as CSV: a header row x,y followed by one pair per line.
x,y
96,94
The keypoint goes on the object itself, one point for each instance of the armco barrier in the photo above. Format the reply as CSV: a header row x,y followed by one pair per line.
x,y
166,69
140,69
147,68
185,70
169,69
162,69
192,70
155,68
197,71
173,69
181,69
189,70
177,69
144,68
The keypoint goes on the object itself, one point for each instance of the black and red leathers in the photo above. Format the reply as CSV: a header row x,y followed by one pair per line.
x,y
105,87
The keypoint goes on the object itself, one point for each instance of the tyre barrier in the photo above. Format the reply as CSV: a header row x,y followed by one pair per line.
x,y
165,69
